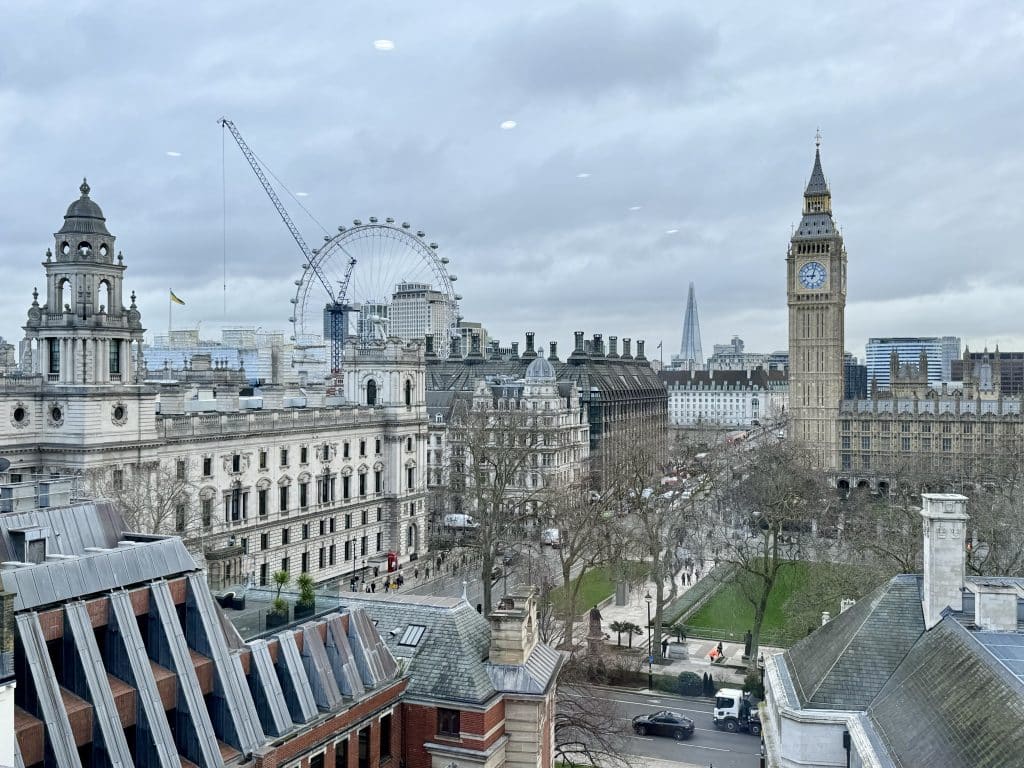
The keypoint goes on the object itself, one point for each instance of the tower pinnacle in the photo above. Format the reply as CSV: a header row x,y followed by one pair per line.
x,y
690,349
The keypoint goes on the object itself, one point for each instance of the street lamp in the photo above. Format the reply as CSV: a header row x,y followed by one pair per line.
x,y
650,656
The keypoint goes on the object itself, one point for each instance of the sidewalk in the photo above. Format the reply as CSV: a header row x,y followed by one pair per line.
x,y
697,650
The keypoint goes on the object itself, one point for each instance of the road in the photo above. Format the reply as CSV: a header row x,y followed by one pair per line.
x,y
708,746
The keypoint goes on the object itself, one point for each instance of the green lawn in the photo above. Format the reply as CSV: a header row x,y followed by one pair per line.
x,y
596,585
800,582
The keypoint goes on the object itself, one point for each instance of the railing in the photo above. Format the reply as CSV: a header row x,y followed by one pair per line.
x,y
189,425
775,639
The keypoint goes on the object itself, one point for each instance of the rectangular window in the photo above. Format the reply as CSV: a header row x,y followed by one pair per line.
x,y
305,562
236,463
865,461
284,457
448,721
926,443
303,495
905,443
380,541
323,527
264,568
348,520
410,477
885,426
947,427
54,355
905,426
285,535
263,458
845,442
362,448
261,500
282,498
363,517
967,428
264,541
333,523
179,470
284,564
117,478
378,481
348,550
330,555
988,429
345,450
376,446
362,546
385,737
179,517
346,487
317,761
926,427
865,443
947,444
303,454
207,466
341,754
323,557
362,483
207,507
380,514
305,531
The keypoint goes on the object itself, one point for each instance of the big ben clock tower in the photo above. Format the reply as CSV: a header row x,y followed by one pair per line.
x,y
816,292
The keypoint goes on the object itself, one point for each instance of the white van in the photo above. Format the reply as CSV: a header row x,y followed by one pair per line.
x,y
460,521
552,537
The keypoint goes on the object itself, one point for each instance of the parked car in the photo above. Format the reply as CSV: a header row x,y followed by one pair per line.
x,y
664,723
460,521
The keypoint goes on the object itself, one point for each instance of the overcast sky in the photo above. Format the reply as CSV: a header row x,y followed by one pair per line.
x,y
695,123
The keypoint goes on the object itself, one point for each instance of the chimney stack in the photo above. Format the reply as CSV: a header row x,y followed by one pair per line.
x,y
613,347
627,353
530,353
996,606
456,348
598,347
429,340
515,350
944,518
640,349
553,355
513,627
474,346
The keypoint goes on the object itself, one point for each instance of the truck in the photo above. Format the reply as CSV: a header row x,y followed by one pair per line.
x,y
735,712
460,522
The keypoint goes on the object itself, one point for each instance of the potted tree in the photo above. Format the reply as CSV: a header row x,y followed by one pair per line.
x,y
278,615
306,604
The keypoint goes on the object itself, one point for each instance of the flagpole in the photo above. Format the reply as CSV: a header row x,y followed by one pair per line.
x,y
170,306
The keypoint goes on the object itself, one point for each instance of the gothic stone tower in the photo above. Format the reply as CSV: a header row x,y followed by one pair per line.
x,y
816,291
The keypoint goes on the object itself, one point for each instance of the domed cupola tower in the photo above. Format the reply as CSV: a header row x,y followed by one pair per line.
x,y
83,334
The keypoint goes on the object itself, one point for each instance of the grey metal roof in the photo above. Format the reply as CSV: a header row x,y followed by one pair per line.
x,y
951,704
845,663
533,677
71,529
92,573
449,662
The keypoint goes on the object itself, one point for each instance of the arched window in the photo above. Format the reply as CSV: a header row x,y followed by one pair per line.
x,y
371,392
60,297
408,392
103,296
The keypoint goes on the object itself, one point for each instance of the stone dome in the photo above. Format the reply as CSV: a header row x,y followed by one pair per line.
x,y
540,370
84,217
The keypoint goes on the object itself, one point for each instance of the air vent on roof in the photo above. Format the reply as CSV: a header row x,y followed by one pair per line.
x,y
412,635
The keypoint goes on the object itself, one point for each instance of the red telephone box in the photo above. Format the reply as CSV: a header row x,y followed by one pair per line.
x,y
392,561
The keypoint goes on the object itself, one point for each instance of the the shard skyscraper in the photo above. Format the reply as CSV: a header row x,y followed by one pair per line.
x,y
690,353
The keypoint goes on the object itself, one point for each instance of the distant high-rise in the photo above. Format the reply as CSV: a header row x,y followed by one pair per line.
x,y
690,350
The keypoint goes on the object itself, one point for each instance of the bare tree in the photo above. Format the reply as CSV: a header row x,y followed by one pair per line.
x,y
151,497
587,729
782,496
582,519
492,475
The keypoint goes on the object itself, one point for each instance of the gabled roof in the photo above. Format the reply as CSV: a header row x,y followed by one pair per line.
x,y
533,677
845,663
951,704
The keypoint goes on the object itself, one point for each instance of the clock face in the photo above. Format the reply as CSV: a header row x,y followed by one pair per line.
x,y
812,275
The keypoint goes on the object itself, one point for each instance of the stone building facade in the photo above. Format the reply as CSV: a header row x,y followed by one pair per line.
x,y
816,292
304,481
620,395
724,398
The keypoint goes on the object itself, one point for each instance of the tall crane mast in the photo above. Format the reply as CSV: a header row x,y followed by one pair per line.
x,y
336,308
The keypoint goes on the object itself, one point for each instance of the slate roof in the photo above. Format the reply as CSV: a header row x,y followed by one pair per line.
x,y
721,379
533,677
845,663
817,184
951,704
449,661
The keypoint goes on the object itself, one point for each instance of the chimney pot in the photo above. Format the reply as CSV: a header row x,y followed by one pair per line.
x,y
598,346
640,350
627,348
613,346
429,340
553,346
515,349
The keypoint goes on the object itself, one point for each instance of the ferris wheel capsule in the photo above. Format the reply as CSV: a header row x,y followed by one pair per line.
x,y
453,278
405,225
389,220
444,259
357,222
420,233
373,219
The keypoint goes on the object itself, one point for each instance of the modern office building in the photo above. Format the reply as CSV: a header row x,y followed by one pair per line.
x,y
855,378
940,350
1005,367
691,355
416,310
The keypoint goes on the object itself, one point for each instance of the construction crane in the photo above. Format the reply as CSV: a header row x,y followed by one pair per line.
x,y
337,308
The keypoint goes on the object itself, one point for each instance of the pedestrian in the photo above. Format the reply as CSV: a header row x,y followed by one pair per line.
x,y
415,573
427,571
664,646
367,587
698,575
399,581
373,586
721,652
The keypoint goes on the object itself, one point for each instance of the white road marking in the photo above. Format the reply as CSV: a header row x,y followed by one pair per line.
x,y
674,709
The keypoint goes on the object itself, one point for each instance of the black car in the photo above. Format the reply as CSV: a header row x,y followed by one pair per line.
x,y
663,723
